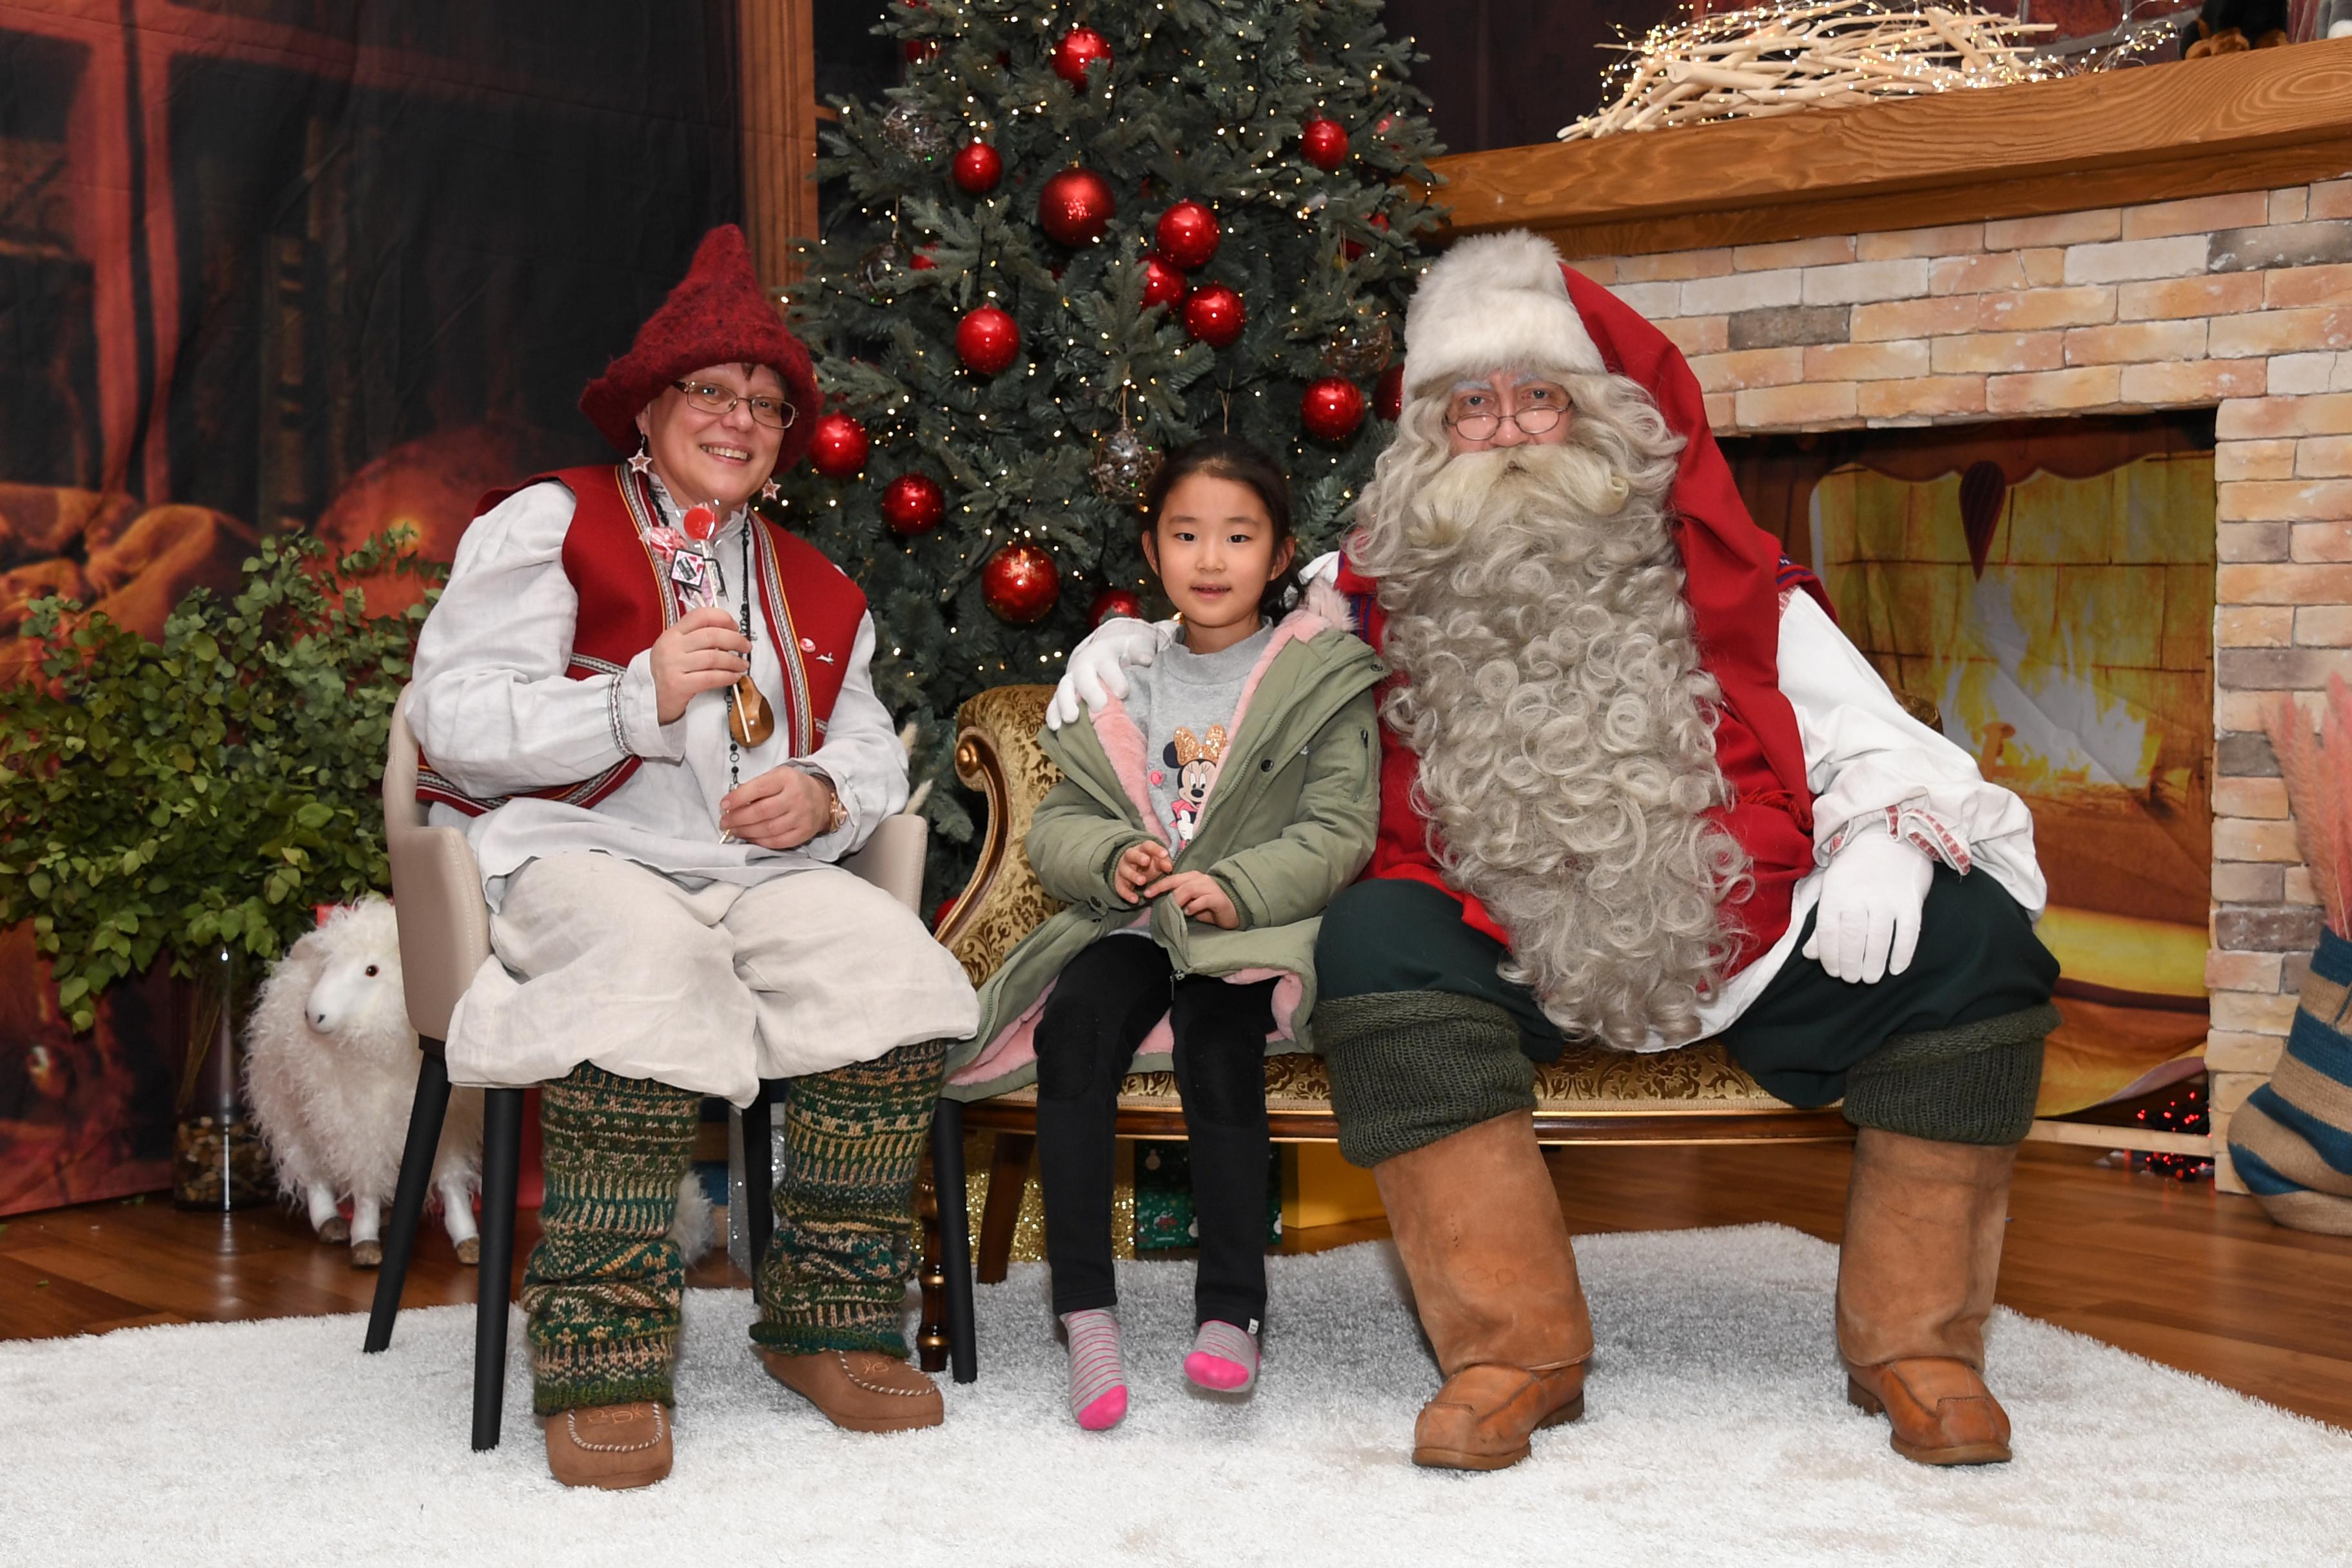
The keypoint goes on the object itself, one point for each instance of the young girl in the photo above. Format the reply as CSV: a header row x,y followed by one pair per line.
x,y
1201,826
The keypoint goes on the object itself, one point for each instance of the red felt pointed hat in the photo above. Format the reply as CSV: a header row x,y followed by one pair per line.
x,y
717,314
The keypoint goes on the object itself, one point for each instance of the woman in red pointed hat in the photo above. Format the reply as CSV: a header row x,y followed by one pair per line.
x,y
1637,790
650,710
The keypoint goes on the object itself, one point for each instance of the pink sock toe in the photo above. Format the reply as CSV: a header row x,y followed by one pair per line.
x,y
1105,1413
1216,1372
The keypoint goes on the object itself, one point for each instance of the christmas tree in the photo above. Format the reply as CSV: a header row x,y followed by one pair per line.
x,y
1074,236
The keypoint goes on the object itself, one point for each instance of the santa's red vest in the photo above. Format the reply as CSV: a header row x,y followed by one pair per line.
x,y
1774,826
809,611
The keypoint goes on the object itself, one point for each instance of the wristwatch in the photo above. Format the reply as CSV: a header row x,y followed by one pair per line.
x,y
836,814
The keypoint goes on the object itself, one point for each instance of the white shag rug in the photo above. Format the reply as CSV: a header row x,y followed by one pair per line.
x,y
1717,1433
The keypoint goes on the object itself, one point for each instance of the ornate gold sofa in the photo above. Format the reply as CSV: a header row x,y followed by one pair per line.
x,y
1697,1095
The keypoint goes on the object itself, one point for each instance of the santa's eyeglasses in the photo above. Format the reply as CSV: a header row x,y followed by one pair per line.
x,y
709,398
1540,420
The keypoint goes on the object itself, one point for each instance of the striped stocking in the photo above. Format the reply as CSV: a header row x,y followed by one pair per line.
x,y
1098,1378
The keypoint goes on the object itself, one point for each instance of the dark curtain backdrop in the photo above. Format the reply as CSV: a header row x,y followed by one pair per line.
x,y
301,265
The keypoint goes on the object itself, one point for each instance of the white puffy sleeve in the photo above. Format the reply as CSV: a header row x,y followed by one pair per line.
x,y
1873,768
490,703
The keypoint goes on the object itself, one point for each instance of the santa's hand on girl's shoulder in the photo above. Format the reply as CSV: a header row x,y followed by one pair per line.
x,y
1324,568
1097,672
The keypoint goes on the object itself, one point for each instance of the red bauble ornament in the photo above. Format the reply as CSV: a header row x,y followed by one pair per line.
x,y
1214,314
1076,206
977,168
1380,221
913,504
1162,284
987,339
920,262
1331,408
1188,235
1113,603
1080,49
1324,143
1020,583
1387,394
919,51
838,446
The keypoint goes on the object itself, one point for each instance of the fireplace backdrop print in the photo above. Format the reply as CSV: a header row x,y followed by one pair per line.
x,y
2049,588
300,265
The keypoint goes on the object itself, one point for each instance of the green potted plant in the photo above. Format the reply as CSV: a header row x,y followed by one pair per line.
x,y
193,801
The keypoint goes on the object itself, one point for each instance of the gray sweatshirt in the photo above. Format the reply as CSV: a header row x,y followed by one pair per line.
x,y
1183,702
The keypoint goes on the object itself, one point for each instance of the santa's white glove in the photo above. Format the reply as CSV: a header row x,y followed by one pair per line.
x,y
1324,568
1097,672
1866,926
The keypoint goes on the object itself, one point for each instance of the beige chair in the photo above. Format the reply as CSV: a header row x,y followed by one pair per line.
x,y
445,936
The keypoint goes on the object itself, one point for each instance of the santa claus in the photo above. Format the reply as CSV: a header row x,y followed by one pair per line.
x,y
1638,789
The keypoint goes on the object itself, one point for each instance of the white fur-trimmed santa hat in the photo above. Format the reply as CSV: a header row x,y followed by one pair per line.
x,y
1495,300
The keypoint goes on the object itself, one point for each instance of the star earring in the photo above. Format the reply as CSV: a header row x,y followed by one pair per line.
x,y
640,460
771,490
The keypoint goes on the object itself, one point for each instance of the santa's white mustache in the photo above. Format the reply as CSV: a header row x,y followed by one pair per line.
x,y
1563,481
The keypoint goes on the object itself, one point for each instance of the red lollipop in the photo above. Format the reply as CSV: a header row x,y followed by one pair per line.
x,y
977,168
1162,284
987,339
1324,143
1080,49
1214,314
1076,206
838,446
1331,408
700,522
1188,235
913,504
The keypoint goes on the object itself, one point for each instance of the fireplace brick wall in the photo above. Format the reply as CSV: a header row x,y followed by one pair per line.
x,y
2241,302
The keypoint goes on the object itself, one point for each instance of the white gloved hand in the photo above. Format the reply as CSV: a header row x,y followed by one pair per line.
x,y
1097,670
1866,926
1324,568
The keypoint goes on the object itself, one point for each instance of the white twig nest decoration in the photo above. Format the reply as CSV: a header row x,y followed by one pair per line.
x,y
1783,59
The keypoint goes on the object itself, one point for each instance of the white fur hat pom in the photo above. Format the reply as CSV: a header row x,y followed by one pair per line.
x,y
1494,301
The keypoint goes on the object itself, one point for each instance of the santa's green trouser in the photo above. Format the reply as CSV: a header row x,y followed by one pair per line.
x,y
603,1287
1432,1054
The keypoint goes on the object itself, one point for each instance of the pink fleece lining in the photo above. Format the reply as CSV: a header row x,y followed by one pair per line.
x,y
1015,1045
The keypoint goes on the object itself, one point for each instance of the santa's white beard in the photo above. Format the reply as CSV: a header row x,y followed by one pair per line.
x,y
1557,706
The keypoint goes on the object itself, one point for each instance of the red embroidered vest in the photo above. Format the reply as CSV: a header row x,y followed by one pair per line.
x,y
809,612
1772,825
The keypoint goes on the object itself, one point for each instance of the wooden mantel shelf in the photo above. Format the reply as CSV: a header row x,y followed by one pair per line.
x,y
2244,122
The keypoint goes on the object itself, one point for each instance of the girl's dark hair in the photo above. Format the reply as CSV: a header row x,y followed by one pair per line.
x,y
1244,463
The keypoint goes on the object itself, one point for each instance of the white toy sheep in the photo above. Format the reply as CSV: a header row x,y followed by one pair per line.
x,y
330,1070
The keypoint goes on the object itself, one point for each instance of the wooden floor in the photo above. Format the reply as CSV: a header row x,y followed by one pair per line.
x,y
2177,1273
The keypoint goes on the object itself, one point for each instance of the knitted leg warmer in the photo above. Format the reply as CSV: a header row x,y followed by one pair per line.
x,y
1970,1083
601,1292
1409,1067
835,1276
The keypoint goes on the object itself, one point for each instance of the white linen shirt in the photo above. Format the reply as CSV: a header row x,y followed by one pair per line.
x,y
495,714
1872,768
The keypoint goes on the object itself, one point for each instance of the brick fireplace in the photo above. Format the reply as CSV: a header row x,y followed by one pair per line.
x,y
1999,281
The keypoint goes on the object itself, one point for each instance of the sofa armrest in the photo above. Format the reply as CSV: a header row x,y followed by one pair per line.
x,y
892,859
997,754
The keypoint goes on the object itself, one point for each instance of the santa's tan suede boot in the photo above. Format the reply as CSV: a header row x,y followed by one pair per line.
x,y
1479,1228
1923,1233
611,1447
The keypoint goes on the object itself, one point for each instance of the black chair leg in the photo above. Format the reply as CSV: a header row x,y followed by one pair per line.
x,y
955,1236
425,1118
502,1165
759,1178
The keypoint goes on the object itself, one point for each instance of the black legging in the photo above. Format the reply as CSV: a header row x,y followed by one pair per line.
x,y
1105,1002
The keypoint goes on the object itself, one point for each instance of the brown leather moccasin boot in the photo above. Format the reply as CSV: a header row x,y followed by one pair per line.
x,y
1478,1227
1481,1419
860,1391
611,1447
1916,1279
1941,1411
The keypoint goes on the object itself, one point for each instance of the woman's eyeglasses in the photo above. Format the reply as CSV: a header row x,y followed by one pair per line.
x,y
708,397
